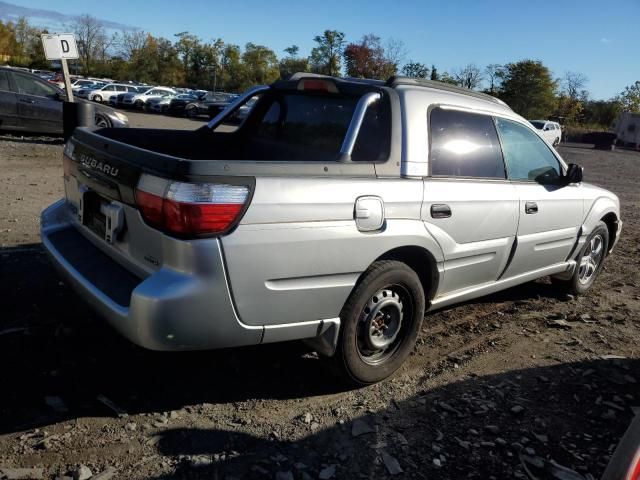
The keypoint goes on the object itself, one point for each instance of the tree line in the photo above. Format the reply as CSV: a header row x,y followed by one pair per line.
x,y
528,86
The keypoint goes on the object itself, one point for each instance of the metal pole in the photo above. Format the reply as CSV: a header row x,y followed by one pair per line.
x,y
67,80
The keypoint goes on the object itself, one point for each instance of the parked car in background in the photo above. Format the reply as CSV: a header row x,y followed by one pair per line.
x,y
83,83
104,94
626,127
550,131
325,216
161,104
29,103
138,99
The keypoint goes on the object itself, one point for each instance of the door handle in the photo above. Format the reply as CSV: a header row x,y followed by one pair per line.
x,y
440,210
26,100
531,207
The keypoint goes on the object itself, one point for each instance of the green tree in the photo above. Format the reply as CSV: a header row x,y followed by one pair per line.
x,y
415,70
261,64
601,112
434,73
292,63
493,73
528,88
630,98
325,56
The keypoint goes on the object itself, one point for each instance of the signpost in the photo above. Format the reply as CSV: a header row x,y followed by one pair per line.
x,y
61,46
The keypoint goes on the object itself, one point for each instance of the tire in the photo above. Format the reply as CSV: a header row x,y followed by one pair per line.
x,y
139,104
191,111
97,98
591,260
102,121
556,142
389,292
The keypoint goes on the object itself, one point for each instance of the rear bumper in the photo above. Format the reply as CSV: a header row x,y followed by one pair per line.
x,y
171,309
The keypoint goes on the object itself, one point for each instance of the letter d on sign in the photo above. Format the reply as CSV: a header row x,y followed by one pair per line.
x,y
65,46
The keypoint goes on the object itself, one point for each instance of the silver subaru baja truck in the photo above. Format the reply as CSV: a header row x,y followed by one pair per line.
x,y
336,211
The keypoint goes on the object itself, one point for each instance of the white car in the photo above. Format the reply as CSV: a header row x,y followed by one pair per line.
x,y
550,131
103,94
83,83
139,99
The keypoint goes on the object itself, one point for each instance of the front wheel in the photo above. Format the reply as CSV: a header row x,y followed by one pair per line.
x,y
590,261
102,121
556,142
97,98
380,322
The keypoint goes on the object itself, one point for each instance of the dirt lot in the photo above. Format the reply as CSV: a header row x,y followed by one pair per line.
x,y
492,383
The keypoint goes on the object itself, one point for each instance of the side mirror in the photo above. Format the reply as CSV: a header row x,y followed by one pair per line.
x,y
574,174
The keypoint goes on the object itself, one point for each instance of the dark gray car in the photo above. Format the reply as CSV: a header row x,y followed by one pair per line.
x,y
30,104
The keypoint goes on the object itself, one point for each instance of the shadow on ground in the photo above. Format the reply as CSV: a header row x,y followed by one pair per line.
x,y
484,427
52,344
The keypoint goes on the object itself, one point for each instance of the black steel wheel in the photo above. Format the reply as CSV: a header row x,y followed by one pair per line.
x,y
380,322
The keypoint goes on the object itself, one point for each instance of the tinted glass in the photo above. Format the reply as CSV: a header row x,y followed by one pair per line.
x,y
316,122
528,157
303,126
31,86
4,81
464,145
538,125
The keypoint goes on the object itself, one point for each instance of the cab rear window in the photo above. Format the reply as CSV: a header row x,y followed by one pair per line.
x,y
297,126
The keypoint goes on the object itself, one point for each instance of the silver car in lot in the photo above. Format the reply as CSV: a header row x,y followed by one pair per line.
x,y
337,211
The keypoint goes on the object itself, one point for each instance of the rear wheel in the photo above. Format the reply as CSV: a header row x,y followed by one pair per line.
x,y
590,261
97,98
380,323
556,142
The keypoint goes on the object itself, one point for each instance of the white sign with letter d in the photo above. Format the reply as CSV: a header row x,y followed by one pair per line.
x,y
59,46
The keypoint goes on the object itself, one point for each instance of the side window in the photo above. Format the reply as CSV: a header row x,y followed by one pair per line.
x,y
464,144
528,157
31,86
4,81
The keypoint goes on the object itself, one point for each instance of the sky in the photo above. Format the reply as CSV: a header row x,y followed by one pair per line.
x,y
597,38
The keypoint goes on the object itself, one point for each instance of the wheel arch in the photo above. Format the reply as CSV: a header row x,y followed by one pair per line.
x,y
611,221
420,260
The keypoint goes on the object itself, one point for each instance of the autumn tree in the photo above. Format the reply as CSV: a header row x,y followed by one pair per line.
x,y
326,56
529,89
367,59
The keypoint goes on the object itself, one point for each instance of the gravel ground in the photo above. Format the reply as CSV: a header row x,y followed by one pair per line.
x,y
494,388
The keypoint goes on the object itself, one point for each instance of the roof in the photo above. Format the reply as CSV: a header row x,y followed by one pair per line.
x,y
423,82
396,81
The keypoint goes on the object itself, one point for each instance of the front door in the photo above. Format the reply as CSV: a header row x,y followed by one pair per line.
x,y
469,206
8,102
550,212
39,108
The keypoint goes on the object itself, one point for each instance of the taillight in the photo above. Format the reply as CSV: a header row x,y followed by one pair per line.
x,y
190,208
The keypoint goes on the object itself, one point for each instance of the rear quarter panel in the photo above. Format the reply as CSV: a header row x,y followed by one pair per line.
x,y
297,253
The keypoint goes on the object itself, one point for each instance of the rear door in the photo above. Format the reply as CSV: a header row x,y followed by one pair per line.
x,y
469,205
8,102
550,213
39,108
